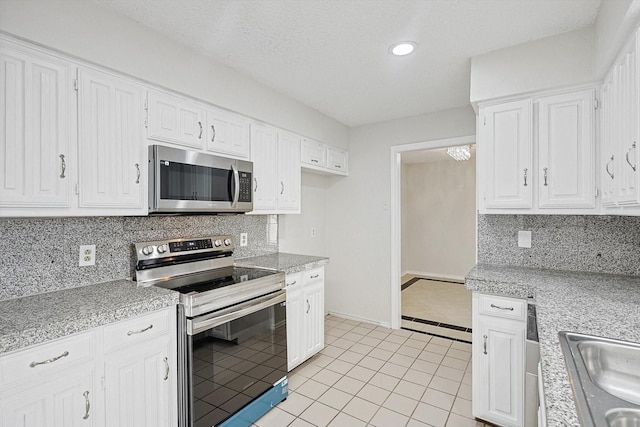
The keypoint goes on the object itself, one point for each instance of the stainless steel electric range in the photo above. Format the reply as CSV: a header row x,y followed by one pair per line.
x,y
232,339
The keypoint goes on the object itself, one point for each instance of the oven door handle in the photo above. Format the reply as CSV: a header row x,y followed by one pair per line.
x,y
203,323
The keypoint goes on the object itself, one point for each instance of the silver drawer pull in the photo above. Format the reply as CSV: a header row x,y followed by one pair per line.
x,y
140,331
501,308
337,166
292,283
53,359
87,405
166,367
314,161
315,276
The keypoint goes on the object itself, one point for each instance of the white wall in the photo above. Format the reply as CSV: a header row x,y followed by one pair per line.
x,y
563,60
358,217
95,33
294,231
439,217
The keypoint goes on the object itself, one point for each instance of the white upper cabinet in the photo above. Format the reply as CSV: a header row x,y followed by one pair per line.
x,y
228,133
532,165
112,160
505,143
35,123
619,130
276,170
566,151
264,154
175,119
324,159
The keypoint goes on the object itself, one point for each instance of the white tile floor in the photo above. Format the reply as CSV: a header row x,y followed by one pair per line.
x,y
373,376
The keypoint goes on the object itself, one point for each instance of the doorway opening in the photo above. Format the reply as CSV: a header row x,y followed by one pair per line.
x,y
433,227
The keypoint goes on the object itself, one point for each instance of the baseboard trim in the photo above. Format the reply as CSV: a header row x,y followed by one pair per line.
x,y
360,319
436,276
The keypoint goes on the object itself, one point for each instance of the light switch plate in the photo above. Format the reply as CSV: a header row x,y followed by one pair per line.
x,y
524,239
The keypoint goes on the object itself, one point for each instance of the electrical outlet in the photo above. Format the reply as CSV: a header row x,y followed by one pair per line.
x,y
87,255
313,232
243,239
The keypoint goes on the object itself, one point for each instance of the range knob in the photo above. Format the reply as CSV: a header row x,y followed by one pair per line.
x,y
218,243
161,249
147,250
227,242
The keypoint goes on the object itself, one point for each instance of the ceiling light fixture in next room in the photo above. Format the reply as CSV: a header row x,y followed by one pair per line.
x,y
403,48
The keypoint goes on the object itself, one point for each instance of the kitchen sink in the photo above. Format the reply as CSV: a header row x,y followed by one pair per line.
x,y
605,377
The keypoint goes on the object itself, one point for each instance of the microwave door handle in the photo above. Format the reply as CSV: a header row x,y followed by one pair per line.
x,y
236,190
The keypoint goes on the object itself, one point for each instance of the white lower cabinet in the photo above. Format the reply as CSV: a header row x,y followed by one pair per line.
x,y
305,315
76,381
499,331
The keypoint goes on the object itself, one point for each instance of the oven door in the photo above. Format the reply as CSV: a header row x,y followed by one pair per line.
x,y
235,356
188,181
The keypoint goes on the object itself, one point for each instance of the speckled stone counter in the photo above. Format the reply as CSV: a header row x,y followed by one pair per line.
x,y
596,304
44,317
289,263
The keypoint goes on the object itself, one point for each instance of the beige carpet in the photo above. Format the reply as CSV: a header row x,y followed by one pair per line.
x,y
437,301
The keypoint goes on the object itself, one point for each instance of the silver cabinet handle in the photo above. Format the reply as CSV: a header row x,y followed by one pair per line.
x,y
337,166
213,129
138,173
45,362
525,176
166,367
545,176
607,167
63,164
308,306
281,187
255,186
315,276
484,344
501,308
314,161
140,331
200,135
292,283
87,405
633,147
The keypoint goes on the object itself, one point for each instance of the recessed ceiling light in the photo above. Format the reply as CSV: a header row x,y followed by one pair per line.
x,y
403,48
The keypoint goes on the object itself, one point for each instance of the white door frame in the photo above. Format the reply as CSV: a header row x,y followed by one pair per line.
x,y
396,235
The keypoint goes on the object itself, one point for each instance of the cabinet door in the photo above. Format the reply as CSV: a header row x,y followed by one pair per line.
x,y
314,153
35,161
337,160
314,317
289,173
175,119
264,154
140,385
67,399
227,134
295,321
498,370
566,177
112,163
505,144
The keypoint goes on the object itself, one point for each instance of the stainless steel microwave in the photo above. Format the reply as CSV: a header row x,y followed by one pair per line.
x,y
182,181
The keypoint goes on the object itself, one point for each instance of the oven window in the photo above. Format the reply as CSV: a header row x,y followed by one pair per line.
x,y
180,181
236,362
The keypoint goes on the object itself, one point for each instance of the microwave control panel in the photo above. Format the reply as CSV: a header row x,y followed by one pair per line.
x,y
245,187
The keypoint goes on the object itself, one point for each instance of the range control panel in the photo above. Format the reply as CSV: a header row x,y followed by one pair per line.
x,y
181,247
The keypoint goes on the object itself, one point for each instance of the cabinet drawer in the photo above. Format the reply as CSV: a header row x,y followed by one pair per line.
x,y
314,276
313,153
294,280
509,308
47,358
138,329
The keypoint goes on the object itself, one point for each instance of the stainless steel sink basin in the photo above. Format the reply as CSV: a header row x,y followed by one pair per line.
x,y
605,377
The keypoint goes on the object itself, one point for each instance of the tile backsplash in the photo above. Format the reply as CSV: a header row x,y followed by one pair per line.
x,y
604,244
41,254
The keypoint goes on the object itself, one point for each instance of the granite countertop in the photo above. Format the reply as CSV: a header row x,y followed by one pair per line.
x,y
44,317
596,304
289,263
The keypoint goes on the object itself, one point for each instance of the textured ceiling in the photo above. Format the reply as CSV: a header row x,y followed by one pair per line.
x,y
333,54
